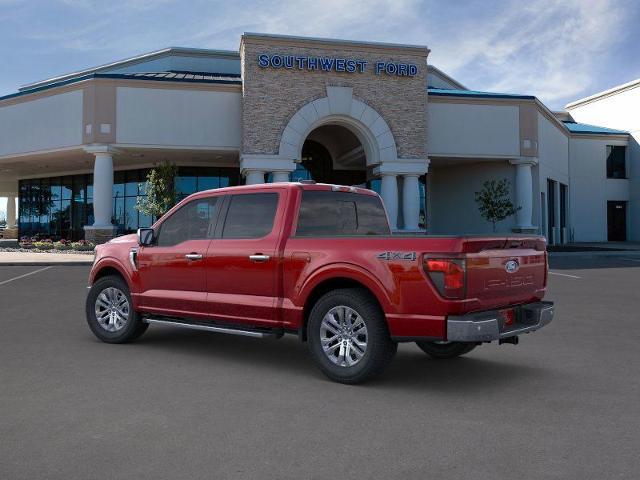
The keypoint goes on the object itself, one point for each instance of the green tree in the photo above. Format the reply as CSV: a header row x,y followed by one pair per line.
x,y
494,201
161,192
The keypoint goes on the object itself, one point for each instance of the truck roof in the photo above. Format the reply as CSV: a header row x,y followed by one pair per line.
x,y
304,185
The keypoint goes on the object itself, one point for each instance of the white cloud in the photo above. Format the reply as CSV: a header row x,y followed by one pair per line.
x,y
547,48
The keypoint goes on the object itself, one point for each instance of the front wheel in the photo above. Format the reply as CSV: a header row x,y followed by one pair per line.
x,y
444,350
348,336
110,312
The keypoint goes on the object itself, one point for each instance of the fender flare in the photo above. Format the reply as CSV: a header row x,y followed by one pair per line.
x,y
351,272
111,262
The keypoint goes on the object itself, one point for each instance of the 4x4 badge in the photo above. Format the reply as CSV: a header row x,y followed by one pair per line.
x,y
397,256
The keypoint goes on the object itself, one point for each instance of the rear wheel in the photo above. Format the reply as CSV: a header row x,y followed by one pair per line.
x,y
444,350
110,313
348,336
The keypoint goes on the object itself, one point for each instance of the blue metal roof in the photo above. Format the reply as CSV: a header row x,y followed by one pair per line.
x,y
188,77
444,92
575,127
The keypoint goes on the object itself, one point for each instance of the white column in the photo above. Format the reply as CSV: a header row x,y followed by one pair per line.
x,y
411,202
103,189
389,194
254,177
280,176
524,193
11,212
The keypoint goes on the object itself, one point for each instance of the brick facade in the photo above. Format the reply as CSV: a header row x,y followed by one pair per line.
x,y
272,96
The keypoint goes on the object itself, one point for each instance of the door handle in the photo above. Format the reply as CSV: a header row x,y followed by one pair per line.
x,y
193,256
258,257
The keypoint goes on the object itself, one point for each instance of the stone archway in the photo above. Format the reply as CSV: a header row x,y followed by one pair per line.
x,y
339,107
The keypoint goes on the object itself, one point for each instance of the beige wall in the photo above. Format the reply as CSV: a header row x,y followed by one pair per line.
x,y
45,123
272,96
473,129
172,117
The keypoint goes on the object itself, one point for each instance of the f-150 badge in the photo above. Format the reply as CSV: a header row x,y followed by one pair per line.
x,y
397,256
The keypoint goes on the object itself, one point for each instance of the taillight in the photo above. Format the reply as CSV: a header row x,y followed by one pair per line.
x,y
447,275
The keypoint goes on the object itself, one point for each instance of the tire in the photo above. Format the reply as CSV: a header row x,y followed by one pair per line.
x,y
358,319
106,323
442,351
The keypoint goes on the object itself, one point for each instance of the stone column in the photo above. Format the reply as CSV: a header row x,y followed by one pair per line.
x,y
411,202
389,194
102,229
11,212
254,177
524,194
280,176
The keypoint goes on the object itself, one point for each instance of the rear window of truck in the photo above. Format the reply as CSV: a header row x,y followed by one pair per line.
x,y
324,213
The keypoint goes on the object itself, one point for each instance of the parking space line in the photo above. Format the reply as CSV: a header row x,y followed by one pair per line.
x,y
25,275
564,275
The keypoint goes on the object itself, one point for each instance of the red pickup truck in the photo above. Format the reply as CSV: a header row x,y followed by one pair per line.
x,y
318,261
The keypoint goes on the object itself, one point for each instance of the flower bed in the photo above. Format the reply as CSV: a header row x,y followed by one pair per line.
x,y
40,245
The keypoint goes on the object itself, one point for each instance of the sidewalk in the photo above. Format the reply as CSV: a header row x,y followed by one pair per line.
x,y
37,259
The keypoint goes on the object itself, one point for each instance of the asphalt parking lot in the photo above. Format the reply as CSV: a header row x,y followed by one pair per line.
x,y
177,404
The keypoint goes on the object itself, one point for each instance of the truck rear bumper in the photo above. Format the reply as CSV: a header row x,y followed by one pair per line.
x,y
492,325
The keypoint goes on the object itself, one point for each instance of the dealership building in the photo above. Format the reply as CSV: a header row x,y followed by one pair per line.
x,y
75,149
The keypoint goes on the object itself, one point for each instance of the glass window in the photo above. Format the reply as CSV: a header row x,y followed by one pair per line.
x,y
324,213
131,185
118,184
66,188
131,214
186,185
191,222
616,167
250,215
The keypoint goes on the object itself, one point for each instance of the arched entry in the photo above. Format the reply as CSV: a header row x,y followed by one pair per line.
x,y
321,130
333,154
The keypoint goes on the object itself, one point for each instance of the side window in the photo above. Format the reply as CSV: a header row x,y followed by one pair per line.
x,y
250,215
191,222
324,213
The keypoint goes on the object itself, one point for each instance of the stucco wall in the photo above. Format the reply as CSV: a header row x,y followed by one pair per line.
x,y
590,190
190,118
620,111
43,124
451,197
272,96
473,129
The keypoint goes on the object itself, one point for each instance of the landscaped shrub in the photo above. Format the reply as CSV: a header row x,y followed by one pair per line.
x,y
83,245
43,245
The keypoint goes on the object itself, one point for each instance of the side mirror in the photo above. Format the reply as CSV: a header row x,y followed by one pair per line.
x,y
146,237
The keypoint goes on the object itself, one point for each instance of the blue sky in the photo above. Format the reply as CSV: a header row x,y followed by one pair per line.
x,y
557,50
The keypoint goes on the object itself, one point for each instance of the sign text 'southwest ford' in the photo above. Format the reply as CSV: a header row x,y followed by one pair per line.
x,y
332,64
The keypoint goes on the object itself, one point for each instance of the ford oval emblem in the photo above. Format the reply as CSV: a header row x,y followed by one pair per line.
x,y
512,266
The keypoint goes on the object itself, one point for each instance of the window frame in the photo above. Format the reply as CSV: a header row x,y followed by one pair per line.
x,y
213,221
294,231
224,213
625,164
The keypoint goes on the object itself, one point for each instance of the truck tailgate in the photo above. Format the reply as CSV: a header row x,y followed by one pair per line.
x,y
508,274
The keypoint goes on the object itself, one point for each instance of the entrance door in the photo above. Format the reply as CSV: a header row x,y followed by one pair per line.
x,y
617,221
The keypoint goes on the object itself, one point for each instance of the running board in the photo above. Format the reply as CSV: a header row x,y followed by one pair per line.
x,y
214,328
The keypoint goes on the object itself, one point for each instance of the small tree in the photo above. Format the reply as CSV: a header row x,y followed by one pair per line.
x,y
161,192
494,201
